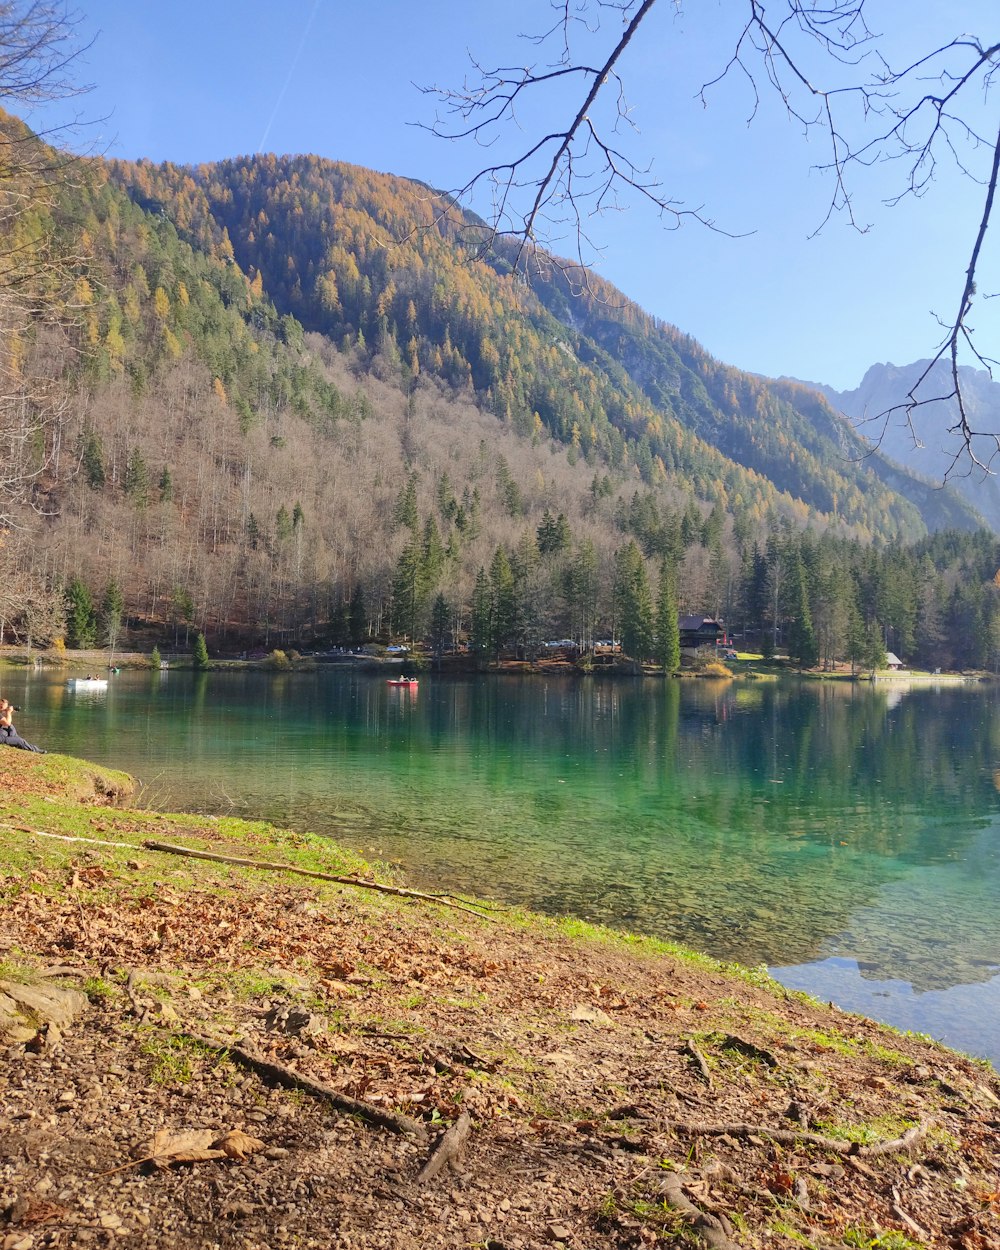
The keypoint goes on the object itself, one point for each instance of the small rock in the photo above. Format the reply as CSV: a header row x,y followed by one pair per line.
x,y
589,1015
23,1008
559,1232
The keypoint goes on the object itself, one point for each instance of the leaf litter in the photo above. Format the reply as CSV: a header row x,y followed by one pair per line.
x,y
568,1091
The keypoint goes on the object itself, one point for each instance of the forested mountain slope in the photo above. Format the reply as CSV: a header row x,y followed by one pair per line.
x,y
369,259
295,403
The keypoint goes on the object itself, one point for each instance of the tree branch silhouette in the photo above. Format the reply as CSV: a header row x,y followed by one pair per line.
x,y
918,116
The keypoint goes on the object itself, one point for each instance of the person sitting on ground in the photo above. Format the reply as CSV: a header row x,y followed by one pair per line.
x,y
9,736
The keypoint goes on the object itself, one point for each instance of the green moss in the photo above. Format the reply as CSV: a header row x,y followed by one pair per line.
x,y
20,974
861,1239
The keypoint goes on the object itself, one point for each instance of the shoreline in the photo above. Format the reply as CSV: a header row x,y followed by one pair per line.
x,y
599,1090
744,669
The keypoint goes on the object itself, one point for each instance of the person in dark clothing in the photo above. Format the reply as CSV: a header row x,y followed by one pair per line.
x,y
9,737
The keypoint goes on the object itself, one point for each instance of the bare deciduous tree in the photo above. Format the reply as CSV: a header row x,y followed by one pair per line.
x,y
37,51
832,73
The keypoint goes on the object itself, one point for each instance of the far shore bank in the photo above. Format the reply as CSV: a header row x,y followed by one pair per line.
x,y
745,667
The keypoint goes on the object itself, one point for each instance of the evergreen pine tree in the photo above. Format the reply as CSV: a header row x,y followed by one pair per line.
x,y
199,653
81,619
357,616
635,605
667,633
481,639
440,624
112,609
802,646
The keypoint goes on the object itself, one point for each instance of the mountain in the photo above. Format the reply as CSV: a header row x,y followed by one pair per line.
x,y
386,263
922,443
291,399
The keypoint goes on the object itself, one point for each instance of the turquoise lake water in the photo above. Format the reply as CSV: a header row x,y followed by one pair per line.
x,y
847,836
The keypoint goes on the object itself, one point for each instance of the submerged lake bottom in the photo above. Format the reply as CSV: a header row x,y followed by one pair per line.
x,y
847,836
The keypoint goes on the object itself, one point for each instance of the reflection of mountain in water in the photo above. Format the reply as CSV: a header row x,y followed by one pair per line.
x,y
960,1016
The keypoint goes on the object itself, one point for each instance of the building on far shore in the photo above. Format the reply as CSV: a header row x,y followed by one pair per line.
x,y
700,631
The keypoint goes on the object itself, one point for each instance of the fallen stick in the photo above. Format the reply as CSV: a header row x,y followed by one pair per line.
x,y
291,1079
448,1148
272,866
64,837
446,900
691,1049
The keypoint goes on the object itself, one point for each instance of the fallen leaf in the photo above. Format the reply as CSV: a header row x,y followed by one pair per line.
x,y
589,1015
37,1212
165,1147
238,1145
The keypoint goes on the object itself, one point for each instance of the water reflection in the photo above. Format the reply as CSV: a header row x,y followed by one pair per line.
x,y
782,823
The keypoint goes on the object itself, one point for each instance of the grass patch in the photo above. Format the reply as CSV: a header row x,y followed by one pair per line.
x,y
641,944
781,1228
98,988
176,1059
880,1129
18,973
861,1239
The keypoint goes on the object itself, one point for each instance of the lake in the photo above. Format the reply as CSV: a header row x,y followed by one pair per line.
x,y
845,835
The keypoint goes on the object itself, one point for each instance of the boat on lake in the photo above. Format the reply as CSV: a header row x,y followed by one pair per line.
x,y
403,681
88,683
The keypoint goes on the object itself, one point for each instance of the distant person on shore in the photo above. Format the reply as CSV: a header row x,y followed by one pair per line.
x,y
9,737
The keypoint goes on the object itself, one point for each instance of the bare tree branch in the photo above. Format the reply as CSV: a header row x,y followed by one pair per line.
x,y
567,174
919,116
37,53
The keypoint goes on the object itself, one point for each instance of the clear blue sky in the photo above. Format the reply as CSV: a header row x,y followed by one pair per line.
x,y
192,82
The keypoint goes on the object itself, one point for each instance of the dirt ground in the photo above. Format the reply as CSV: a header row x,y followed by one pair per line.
x,y
263,1059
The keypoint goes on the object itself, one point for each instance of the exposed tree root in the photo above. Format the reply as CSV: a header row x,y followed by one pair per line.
x,y
283,1075
791,1137
270,865
448,1149
713,1229
691,1049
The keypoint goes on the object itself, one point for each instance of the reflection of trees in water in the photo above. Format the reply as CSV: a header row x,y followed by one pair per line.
x,y
909,766
750,822
754,821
